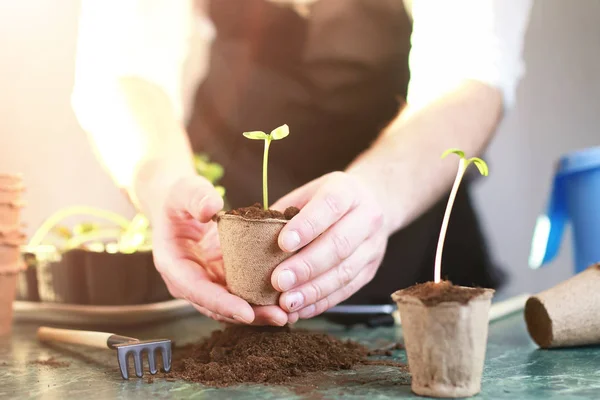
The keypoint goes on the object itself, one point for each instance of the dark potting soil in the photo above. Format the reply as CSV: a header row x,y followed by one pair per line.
x,y
256,211
269,355
51,362
431,293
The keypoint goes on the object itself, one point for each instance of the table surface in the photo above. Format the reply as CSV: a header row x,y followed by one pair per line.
x,y
515,368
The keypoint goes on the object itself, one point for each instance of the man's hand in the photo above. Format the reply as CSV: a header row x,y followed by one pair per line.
x,y
188,256
340,230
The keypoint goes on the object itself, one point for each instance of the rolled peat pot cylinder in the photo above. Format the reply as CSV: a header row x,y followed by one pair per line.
x,y
445,330
567,314
250,254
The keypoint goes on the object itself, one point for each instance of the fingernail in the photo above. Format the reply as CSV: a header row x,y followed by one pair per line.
x,y
290,240
286,280
240,319
294,300
275,322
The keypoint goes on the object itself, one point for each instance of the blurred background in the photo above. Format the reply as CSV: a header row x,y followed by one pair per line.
x,y
556,111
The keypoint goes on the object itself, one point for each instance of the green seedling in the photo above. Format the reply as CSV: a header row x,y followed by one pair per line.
x,y
463,163
276,134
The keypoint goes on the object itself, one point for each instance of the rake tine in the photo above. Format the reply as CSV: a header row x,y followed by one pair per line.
x,y
137,362
166,356
122,357
152,361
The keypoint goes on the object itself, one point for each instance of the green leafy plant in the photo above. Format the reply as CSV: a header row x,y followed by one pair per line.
x,y
212,171
120,235
276,134
463,163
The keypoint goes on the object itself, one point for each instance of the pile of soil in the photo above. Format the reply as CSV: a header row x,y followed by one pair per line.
x,y
432,294
273,355
257,211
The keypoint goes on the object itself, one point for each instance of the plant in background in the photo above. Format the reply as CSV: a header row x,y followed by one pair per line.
x,y
213,172
276,134
121,235
463,163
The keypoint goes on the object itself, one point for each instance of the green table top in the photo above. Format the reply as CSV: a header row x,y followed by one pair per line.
x,y
514,369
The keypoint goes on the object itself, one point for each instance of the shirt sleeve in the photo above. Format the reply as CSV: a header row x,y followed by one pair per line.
x,y
459,40
148,39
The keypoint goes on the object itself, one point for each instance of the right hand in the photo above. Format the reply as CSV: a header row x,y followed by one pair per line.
x,y
188,255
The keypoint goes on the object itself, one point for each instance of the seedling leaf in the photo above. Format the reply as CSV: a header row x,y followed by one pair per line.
x,y
256,135
481,165
463,164
458,152
281,132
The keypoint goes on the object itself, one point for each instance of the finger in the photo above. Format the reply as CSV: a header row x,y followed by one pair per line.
x,y
293,318
327,251
214,316
340,295
192,283
300,196
333,199
330,281
270,315
194,196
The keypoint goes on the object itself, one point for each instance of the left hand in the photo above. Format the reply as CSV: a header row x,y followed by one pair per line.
x,y
340,231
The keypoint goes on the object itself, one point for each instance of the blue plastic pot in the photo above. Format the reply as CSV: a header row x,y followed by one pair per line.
x,y
575,199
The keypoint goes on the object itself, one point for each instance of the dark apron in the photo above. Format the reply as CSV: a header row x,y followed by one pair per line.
x,y
336,78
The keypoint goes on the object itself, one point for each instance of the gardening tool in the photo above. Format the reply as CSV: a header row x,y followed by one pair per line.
x,y
123,344
372,315
574,199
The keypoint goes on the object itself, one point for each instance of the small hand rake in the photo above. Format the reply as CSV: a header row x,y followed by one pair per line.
x,y
123,344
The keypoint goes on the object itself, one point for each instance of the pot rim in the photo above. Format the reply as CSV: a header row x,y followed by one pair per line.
x,y
221,215
402,298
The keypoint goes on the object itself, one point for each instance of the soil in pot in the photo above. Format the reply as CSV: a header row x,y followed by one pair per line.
x,y
445,331
251,252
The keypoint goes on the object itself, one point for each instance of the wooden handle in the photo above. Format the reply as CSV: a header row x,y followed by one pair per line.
x,y
86,338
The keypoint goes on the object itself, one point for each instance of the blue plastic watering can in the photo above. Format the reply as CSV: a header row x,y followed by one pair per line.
x,y
574,199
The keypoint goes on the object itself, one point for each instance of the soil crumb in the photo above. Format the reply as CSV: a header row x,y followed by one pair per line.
x,y
432,294
51,362
257,211
386,350
268,355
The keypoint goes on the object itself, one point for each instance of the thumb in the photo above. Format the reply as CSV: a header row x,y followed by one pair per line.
x,y
195,196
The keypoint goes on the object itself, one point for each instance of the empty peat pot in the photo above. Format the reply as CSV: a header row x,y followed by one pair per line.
x,y
445,330
567,314
250,254
8,288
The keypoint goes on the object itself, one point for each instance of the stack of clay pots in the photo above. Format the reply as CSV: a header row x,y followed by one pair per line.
x,y
11,239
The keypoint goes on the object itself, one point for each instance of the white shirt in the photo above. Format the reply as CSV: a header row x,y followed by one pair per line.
x,y
167,42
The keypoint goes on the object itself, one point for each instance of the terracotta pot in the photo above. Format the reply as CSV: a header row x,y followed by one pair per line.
x,y
250,254
10,216
12,236
11,194
10,180
8,288
567,314
10,256
445,343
